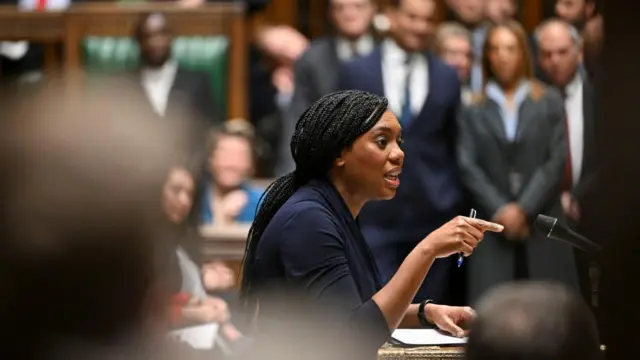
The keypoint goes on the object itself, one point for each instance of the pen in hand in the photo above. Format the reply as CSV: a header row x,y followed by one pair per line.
x,y
472,215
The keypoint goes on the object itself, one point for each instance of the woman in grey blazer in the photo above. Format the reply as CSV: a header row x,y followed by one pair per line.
x,y
512,153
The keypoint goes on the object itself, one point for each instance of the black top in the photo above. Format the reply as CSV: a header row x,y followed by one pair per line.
x,y
314,280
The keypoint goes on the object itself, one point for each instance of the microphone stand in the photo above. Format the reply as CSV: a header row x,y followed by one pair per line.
x,y
550,227
594,277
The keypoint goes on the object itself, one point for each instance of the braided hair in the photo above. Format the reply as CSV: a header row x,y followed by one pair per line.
x,y
322,133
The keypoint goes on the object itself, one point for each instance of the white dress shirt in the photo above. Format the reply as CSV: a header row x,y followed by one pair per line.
x,y
394,71
157,84
574,110
344,47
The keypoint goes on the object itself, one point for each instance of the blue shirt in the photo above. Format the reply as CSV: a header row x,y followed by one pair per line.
x,y
509,116
248,212
315,278
478,37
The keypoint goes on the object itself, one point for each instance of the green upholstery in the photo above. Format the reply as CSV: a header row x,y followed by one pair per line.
x,y
103,55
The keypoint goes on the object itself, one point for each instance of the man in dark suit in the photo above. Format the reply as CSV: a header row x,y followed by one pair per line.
x,y
560,55
316,72
168,88
424,93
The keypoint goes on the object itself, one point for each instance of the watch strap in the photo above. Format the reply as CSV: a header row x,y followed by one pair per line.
x,y
422,318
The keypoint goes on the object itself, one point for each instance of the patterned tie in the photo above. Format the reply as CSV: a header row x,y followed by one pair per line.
x,y
567,183
406,115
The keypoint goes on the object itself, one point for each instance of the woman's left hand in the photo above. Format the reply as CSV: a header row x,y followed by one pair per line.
x,y
233,203
451,319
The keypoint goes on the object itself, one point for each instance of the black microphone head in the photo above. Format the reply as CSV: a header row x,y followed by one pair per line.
x,y
545,223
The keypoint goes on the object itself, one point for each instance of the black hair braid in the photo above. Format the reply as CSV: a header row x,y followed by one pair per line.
x,y
322,133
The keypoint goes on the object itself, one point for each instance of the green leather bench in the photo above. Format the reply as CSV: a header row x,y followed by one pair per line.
x,y
208,54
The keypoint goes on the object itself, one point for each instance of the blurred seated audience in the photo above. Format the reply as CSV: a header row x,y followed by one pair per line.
x,y
191,303
533,321
167,87
227,196
77,266
452,42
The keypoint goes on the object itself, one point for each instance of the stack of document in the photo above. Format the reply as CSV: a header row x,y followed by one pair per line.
x,y
198,337
426,337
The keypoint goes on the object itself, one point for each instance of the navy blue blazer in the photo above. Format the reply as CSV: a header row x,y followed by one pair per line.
x,y
430,192
315,277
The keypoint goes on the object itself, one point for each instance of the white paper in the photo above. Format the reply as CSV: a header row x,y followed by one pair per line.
x,y
426,337
14,50
199,337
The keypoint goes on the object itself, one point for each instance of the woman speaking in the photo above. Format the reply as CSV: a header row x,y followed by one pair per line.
x,y
307,268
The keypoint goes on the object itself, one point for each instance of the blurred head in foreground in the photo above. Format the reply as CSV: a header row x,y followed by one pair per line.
x,y
533,321
79,181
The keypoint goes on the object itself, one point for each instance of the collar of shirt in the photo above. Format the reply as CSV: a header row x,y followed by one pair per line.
x,y
495,93
478,37
394,73
509,116
364,45
166,71
573,86
394,54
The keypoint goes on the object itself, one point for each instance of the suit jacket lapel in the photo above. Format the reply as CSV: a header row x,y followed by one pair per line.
x,y
493,118
432,79
176,92
376,72
588,120
526,116
331,55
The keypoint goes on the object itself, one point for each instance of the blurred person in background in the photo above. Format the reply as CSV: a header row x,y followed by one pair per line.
x,y
499,11
192,304
471,13
316,72
228,197
576,12
452,42
560,56
533,321
593,37
277,48
512,153
165,85
424,93
79,231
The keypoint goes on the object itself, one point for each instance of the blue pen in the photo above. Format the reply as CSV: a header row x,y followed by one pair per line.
x,y
472,215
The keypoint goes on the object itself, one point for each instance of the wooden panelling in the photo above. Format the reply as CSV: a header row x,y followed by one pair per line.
x,y
531,14
38,27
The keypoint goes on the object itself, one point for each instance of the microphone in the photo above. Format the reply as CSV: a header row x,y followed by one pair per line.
x,y
554,230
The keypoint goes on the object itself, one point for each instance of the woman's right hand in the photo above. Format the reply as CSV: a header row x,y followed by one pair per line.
x,y
460,235
210,310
